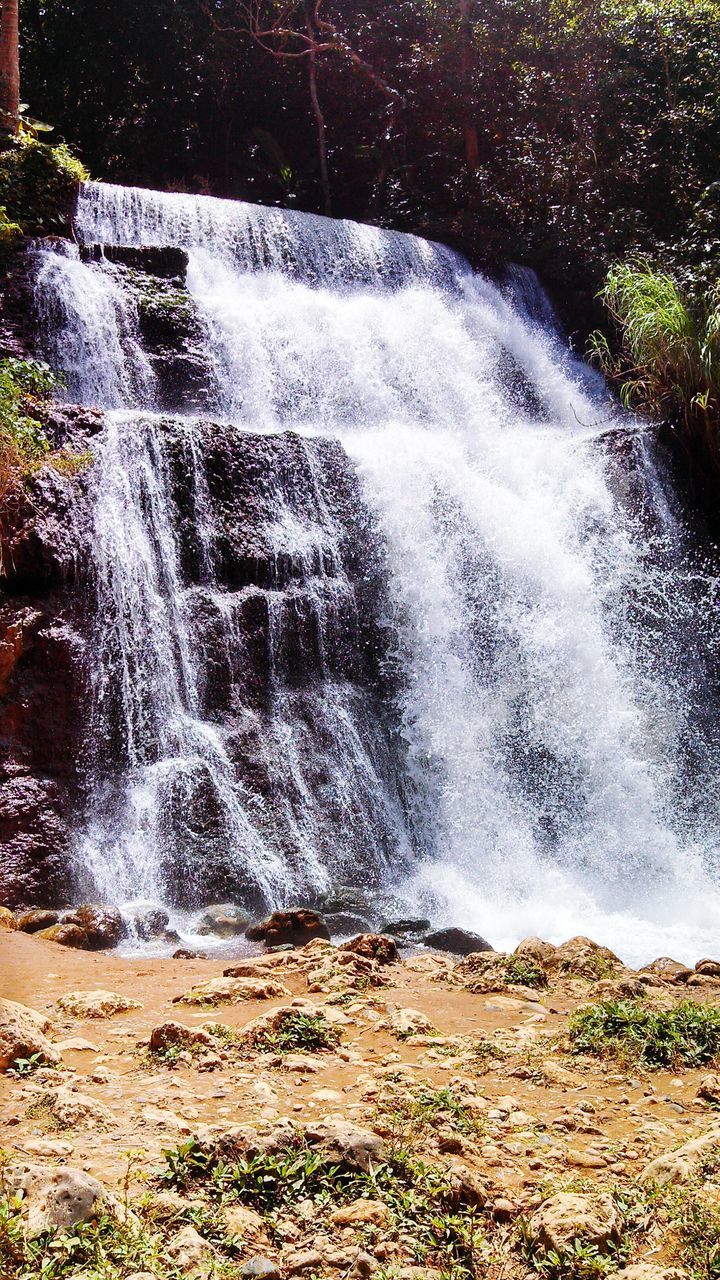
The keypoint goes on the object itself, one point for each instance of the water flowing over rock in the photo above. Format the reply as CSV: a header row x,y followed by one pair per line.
x,y
394,599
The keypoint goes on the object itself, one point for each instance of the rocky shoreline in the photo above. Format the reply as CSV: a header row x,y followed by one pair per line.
x,y
350,1110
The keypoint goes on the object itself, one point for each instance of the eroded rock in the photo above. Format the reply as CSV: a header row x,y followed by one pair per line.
x,y
295,927
95,1004
58,1199
567,1217
23,1034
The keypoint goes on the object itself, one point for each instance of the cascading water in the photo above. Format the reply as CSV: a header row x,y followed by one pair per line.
x,y
554,744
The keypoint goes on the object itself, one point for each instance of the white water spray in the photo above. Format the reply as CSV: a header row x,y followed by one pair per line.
x,y
548,623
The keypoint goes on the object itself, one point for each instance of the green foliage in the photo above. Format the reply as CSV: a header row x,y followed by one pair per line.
x,y
580,1261
687,1035
26,1066
408,1117
424,1206
669,360
25,385
38,184
298,1032
524,972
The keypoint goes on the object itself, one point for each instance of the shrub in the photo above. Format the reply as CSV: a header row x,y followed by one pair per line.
x,y
25,385
668,362
38,185
298,1032
687,1035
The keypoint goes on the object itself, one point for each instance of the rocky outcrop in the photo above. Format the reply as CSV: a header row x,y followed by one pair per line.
x,y
23,1035
289,928
43,678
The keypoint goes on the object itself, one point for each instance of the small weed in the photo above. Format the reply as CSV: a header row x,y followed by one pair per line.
x,y
524,973
26,1066
633,1032
298,1033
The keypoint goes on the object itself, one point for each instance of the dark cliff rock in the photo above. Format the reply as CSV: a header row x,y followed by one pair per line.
x,y
43,635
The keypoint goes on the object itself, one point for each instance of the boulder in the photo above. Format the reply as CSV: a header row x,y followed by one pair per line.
x,y
102,925
7,920
36,919
536,949
232,991
295,927
225,920
665,967
709,968
458,942
405,1023
66,935
709,1088
151,924
343,923
401,928
681,1165
95,1004
346,1144
58,1199
586,959
22,1035
373,946
568,1217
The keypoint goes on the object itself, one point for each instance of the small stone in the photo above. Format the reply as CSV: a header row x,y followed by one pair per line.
x,y
346,1144
360,1213
190,1252
405,1023
260,1269
503,1210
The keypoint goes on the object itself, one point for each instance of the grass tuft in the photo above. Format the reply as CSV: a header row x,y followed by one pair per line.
x,y
634,1032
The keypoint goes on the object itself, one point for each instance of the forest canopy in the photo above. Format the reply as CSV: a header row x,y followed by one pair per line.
x,y
563,133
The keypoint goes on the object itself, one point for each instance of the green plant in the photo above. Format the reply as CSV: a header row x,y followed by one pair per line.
x,y
524,973
580,1261
668,362
298,1032
25,386
688,1034
38,183
26,1066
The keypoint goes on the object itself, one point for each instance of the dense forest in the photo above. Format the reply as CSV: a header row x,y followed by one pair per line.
x,y
579,137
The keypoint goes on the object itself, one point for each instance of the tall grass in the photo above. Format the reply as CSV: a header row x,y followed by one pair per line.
x,y
667,362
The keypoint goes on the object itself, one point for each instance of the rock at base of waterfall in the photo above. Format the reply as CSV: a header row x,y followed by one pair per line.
x,y
23,1035
458,942
296,927
225,920
343,923
7,920
66,935
36,919
411,930
374,946
103,925
151,924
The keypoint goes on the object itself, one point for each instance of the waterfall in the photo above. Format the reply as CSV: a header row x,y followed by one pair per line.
x,y
506,708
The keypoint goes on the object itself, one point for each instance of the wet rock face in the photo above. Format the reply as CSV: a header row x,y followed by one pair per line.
x,y
42,680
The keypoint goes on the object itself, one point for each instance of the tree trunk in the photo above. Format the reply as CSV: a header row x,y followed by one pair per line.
x,y
319,119
470,133
9,68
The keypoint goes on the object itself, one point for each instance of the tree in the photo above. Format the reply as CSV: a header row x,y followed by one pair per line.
x,y
9,68
287,29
